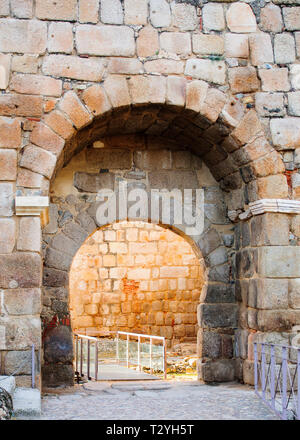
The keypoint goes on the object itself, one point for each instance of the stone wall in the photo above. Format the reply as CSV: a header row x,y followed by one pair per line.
x,y
219,78
138,277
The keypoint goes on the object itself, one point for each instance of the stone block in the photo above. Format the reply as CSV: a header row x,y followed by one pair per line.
x,y
209,241
72,106
236,45
125,65
150,89
86,182
38,160
277,320
240,18
88,11
20,269
60,124
86,69
209,344
178,43
60,37
294,103
271,19
272,187
55,278
297,40
105,40
111,12
184,16
164,66
23,36
4,8
208,70
56,10
109,159
272,294
21,105
117,90
218,293
176,91
291,18
261,50
279,261
29,238
44,137
270,229
294,293
8,164
25,63
285,133
173,179
22,301
274,80
7,235
136,12
208,44
243,79
217,315
248,128
6,199
21,332
221,370
269,104
147,160
160,13
295,76
284,48
36,85
5,62
15,358
218,256
58,260
213,17
147,42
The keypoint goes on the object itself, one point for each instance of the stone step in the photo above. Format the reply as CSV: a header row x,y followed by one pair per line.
x,y
27,403
8,383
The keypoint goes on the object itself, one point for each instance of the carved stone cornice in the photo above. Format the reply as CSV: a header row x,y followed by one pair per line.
x,y
284,206
33,206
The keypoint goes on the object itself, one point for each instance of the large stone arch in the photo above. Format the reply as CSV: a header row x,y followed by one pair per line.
x,y
225,134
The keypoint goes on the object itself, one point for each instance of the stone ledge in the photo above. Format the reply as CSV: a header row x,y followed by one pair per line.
x,y
33,206
275,205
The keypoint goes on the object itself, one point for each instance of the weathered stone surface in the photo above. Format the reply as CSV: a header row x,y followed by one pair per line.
x,y
5,62
23,36
291,17
22,301
109,159
58,345
8,164
7,235
285,133
36,85
164,66
175,43
6,199
38,160
207,70
147,42
279,262
28,273
60,37
270,229
293,295
117,90
105,40
96,100
21,332
29,238
208,44
55,375
277,320
44,137
240,18
111,12
160,14
294,103
56,10
295,76
73,67
136,11
85,182
173,179
176,91
6,405
217,315
221,370
73,107
243,79
25,63
54,278
125,65
275,79
213,17
58,260
269,104
261,50
284,48
21,105
270,18
272,294
236,45
218,293
88,11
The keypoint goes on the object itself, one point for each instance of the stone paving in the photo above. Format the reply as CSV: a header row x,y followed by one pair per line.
x,y
169,400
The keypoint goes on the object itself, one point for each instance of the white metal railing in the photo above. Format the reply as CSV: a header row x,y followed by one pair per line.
x,y
139,336
87,347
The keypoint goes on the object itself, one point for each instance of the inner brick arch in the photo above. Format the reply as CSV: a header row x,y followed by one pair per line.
x,y
214,126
